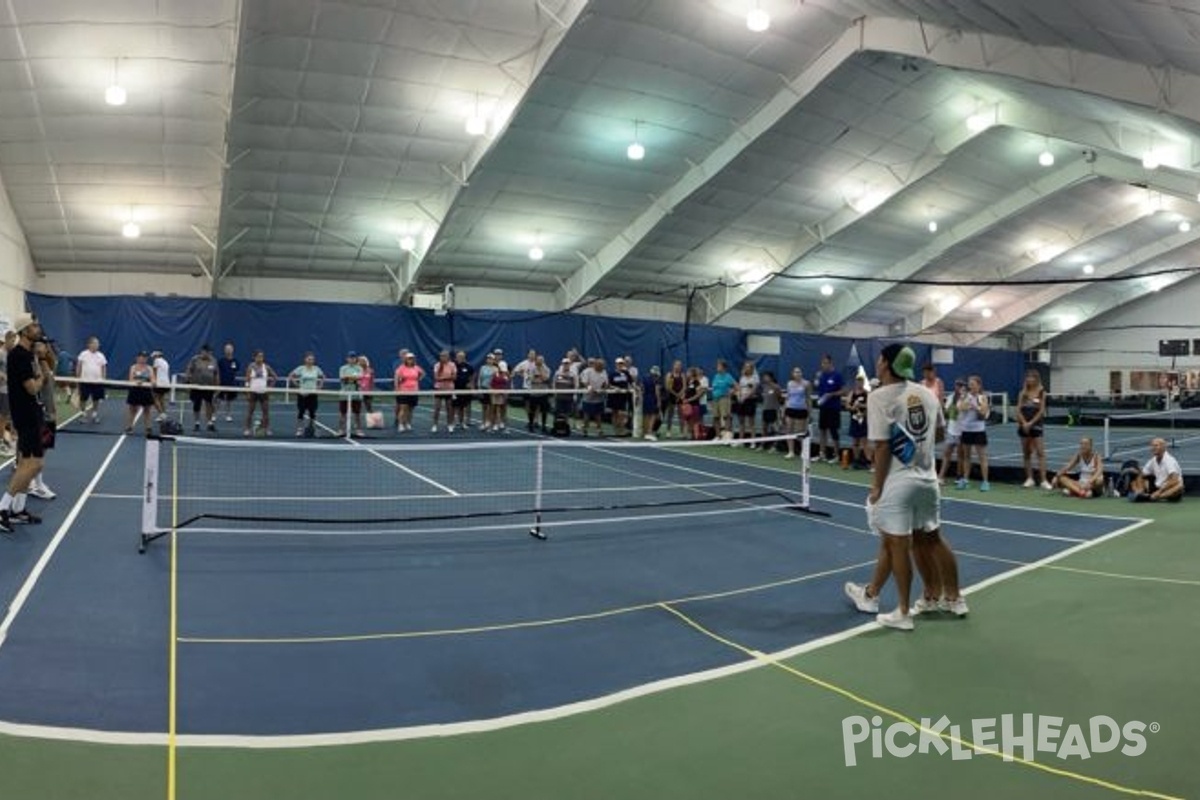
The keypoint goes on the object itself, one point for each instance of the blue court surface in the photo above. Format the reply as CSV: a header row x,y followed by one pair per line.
x,y
320,628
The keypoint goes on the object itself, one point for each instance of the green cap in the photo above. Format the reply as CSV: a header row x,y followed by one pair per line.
x,y
901,360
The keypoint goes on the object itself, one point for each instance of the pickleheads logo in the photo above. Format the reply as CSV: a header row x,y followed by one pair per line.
x,y
1011,736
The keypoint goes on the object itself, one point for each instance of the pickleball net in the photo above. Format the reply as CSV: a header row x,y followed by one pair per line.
x,y
339,488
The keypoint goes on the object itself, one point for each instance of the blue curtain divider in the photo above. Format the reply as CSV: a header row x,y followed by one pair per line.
x,y
285,330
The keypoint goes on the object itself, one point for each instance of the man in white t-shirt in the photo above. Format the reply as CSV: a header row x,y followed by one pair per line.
x,y
1161,477
91,368
903,506
162,383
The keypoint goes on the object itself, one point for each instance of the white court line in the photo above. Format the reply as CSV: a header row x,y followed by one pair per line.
x,y
394,463
31,580
1091,572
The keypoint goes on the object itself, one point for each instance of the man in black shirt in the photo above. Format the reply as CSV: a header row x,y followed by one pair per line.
x,y
24,384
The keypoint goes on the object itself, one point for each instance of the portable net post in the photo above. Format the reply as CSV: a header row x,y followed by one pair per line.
x,y
539,464
150,483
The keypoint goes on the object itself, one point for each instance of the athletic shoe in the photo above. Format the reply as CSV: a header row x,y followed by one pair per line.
x,y
858,595
894,619
789,455
961,483
1067,492
24,517
299,431
984,486
433,429
42,492
1029,483
245,432
196,427
228,418
450,429
926,605
212,427
957,607
1047,486
650,437
6,522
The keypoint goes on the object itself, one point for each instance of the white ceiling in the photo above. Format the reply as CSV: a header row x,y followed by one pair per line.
x,y
304,138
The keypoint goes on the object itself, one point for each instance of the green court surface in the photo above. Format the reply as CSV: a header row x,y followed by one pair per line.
x,y
1104,631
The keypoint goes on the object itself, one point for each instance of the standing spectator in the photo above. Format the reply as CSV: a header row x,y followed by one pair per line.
x,y
483,377
308,378
259,378
444,374
230,371
91,368
464,374
48,361
795,411
952,447
973,410
652,390
694,392
162,382
747,402
366,383
594,383
6,449
772,397
140,397
522,377
350,399
1031,413
408,379
723,387
537,401
501,386
673,385
565,384
203,376
620,391
931,381
25,380
829,387
856,404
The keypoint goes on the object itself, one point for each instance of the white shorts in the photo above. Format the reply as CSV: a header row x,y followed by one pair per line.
x,y
906,505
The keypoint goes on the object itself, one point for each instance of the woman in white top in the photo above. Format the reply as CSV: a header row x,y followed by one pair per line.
x,y
1031,412
795,409
1090,466
973,410
162,382
259,377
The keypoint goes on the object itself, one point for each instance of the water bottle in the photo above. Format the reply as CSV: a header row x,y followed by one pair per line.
x,y
1109,489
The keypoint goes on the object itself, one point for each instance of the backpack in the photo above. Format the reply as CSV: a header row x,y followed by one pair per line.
x,y
170,427
1129,470
561,427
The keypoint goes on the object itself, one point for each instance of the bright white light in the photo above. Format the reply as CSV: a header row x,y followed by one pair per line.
x,y
986,313
115,95
1088,269
1066,321
758,20
976,302
131,230
1198,197
933,226
1150,160
947,304
827,289
476,125
977,123
1185,226
866,199
635,151
1046,159
536,253
408,243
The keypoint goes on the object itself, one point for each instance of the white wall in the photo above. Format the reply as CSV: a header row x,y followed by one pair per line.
x,y
16,266
1082,359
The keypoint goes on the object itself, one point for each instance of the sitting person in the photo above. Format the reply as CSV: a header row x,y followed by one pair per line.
x,y
1089,465
1161,477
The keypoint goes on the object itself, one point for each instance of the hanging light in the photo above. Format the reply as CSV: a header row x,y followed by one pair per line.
x,y
635,151
758,20
1046,158
1185,226
827,289
986,312
131,230
408,243
476,123
115,95
536,253
1089,269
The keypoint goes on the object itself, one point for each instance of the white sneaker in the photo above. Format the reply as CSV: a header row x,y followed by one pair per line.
x,y
433,429
450,429
42,491
228,418
894,619
650,437
1028,484
956,607
925,606
1047,486
789,455
858,595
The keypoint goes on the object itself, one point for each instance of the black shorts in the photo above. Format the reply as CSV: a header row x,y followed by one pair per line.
x,y
200,397
161,391
829,419
796,413
974,438
462,399
1036,432
618,402
747,408
29,441
90,391
409,400
770,416
227,395
353,405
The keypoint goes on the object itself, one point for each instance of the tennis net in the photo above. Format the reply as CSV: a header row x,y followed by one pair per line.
x,y
339,488
1128,435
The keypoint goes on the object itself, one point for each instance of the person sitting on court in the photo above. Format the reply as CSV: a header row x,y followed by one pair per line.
x,y
1161,477
1087,462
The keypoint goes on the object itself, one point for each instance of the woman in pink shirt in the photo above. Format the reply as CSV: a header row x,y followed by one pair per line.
x,y
444,373
366,381
408,379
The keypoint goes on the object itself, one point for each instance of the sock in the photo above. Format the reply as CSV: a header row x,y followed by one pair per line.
x,y
18,503
6,502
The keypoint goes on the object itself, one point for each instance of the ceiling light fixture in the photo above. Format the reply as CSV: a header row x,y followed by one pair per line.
x,y
1089,269
536,253
758,20
947,304
827,289
408,243
1046,158
1185,226
931,225
986,313
981,120
131,230
635,151
115,94
476,123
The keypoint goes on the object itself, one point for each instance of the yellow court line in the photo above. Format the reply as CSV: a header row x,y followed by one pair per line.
x,y
882,709
173,646
1081,571
537,623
